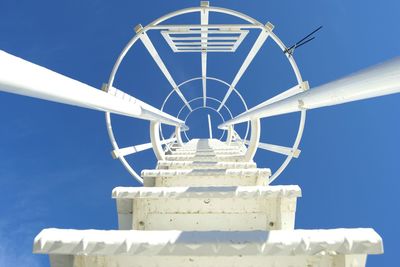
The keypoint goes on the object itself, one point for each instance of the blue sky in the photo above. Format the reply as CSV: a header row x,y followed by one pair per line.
x,y
55,165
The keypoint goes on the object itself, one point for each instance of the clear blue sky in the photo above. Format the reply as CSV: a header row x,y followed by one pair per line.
x,y
55,165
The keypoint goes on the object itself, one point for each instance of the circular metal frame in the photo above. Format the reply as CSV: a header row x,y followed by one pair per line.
x,y
249,19
212,98
202,107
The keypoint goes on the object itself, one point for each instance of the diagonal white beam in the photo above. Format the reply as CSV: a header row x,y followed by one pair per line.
x,y
204,21
117,153
382,79
154,54
262,37
278,149
22,77
288,93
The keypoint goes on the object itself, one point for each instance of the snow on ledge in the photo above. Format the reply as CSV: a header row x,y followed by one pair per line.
x,y
207,192
211,243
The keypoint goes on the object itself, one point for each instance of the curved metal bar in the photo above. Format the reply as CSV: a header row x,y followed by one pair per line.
x,y
115,146
294,148
208,78
210,9
178,136
204,107
190,101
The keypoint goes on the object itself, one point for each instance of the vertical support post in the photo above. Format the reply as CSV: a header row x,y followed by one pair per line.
x,y
254,139
229,135
155,140
178,136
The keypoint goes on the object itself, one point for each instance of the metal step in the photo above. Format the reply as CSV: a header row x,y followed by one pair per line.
x,y
209,152
207,208
174,164
133,248
204,158
206,177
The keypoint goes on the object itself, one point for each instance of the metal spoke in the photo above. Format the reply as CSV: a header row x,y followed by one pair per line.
x,y
262,37
278,149
383,79
21,77
153,52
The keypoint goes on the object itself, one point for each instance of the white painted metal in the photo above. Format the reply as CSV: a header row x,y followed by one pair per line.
x,y
206,177
199,209
296,248
204,46
21,77
225,28
165,164
253,52
210,98
201,216
154,54
383,79
202,39
135,149
178,136
288,93
277,149
209,126
207,203
254,140
155,140
229,135
202,107
146,108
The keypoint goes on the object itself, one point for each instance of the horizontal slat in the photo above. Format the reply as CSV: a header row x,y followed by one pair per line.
x,y
232,32
288,93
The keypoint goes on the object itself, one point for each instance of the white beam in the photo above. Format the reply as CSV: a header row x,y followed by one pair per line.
x,y
278,149
214,38
21,77
190,27
146,108
204,35
209,126
288,93
138,148
154,54
262,37
382,79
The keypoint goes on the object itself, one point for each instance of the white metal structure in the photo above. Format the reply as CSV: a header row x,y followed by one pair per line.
x,y
206,203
